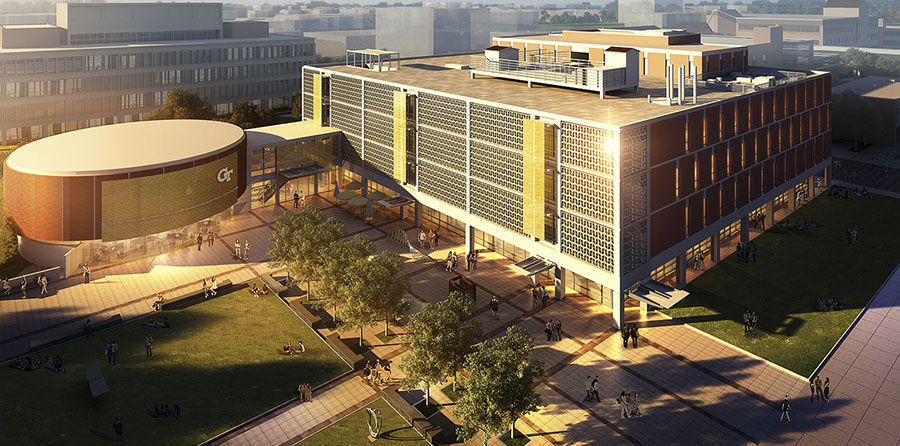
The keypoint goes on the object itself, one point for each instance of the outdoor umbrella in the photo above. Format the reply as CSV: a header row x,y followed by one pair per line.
x,y
358,202
376,196
336,190
354,185
347,195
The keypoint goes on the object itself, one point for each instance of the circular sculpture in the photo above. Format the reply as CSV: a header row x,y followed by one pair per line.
x,y
373,420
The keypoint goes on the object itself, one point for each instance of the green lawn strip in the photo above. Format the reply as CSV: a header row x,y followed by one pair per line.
x,y
220,362
519,439
793,270
391,337
11,268
429,409
353,431
453,395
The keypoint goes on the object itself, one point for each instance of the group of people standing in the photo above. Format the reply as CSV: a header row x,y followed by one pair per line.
x,y
629,331
751,322
305,391
429,240
746,252
629,404
820,390
379,374
242,255
299,200
210,239
112,351
452,262
553,328
539,297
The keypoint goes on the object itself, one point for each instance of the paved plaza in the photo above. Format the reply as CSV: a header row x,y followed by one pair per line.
x,y
694,389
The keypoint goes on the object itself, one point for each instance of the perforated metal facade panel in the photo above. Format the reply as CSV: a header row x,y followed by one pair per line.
x,y
588,240
380,128
380,97
634,157
347,90
352,150
588,194
497,125
497,165
346,118
497,205
379,159
307,106
634,198
443,184
442,113
634,246
308,81
442,148
588,148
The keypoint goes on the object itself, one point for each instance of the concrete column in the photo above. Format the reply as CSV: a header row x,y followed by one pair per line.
x,y
716,248
417,219
792,199
365,188
811,183
680,270
618,309
316,184
827,177
745,229
559,282
770,214
470,238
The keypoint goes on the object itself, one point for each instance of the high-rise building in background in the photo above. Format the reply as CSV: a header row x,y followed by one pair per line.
x,y
106,63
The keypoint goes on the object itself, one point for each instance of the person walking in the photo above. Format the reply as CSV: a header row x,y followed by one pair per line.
x,y
746,321
109,351
199,241
24,287
431,244
148,344
623,406
557,328
422,238
87,272
635,406
115,352
594,390
625,331
548,328
812,390
826,389
588,394
474,260
495,308
117,428
205,289
237,249
302,200
87,328
42,281
246,250
634,335
210,238
296,202
785,409
213,286
819,394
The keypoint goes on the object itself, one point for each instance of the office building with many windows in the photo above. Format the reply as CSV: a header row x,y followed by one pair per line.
x,y
577,162
108,63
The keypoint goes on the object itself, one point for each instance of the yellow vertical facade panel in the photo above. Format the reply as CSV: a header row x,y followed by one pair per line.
x,y
400,125
536,138
317,98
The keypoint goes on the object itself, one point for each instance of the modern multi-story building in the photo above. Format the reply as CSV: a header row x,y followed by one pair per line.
x,y
110,62
567,155
883,93
658,13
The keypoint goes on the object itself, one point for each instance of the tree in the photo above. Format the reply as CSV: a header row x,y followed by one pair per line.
x,y
301,240
9,246
339,257
248,115
372,289
182,104
440,336
499,386
855,117
297,105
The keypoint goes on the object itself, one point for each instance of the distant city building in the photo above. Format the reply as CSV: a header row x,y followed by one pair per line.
x,y
336,43
423,31
884,94
658,13
115,62
842,23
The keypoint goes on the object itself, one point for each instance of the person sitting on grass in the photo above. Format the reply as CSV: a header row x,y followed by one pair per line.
x,y
255,290
300,348
149,322
176,412
166,323
287,350
155,412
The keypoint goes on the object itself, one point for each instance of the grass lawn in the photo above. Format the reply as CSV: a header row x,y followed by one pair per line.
x,y
391,337
793,270
220,362
353,431
518,439
453,395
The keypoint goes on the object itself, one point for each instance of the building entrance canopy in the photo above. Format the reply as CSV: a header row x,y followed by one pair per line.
x,y
534,265
657,294
303,171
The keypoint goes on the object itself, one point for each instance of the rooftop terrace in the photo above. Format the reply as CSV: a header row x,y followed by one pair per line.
x,y
619,109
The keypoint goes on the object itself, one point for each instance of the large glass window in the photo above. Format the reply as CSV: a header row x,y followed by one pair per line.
x,y
262,161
